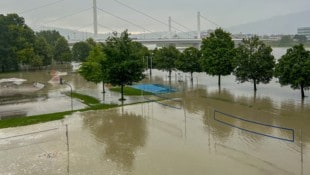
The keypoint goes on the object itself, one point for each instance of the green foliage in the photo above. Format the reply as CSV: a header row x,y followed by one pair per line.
x,y
57,46
95,67
50,36
80,51
125,60
43,50
130,91
218,54
62,51
254,62
16,42
189,61
164,58
286,40
300,38
293,68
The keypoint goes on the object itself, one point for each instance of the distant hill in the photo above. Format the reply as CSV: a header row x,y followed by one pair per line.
x,y
286,24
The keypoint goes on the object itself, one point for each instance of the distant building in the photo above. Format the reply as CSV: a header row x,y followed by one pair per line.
x,y
304,31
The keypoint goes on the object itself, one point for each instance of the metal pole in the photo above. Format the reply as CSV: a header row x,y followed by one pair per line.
x,y
67,136
301,153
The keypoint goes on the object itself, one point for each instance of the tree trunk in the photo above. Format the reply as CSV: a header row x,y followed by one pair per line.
x,y
192,77
219,80
255,89
169,76
302,91
122,92
103,90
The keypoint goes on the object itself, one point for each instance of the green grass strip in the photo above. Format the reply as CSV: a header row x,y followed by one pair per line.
x,y
30,120
130,91
23,121
88,100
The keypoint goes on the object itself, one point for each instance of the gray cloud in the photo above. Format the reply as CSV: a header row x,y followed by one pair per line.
x,y
77,14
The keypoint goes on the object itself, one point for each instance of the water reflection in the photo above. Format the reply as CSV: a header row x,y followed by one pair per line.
x,y
121,133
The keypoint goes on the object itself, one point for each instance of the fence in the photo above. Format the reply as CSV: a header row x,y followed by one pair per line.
x,y
231,120
251,123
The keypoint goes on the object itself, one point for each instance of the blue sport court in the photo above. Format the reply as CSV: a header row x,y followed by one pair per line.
x,y
154,88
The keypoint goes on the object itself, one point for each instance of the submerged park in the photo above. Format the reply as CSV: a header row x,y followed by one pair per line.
x,y
220,109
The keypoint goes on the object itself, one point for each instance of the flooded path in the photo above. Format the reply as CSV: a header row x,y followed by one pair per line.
x,y
201,129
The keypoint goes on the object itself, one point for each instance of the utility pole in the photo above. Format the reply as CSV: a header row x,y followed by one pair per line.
x,y
95,18
198,26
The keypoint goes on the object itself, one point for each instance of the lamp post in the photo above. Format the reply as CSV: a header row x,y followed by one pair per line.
x,y
62,82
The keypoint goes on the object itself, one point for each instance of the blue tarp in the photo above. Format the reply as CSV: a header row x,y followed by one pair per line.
x,y
154,88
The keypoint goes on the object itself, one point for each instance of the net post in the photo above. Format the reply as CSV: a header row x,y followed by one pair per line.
x,y
301,153
67,137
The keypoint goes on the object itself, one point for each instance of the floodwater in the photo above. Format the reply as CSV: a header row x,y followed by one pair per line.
x,y
201,129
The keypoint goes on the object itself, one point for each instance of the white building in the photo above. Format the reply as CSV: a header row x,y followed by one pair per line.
x,y
304,31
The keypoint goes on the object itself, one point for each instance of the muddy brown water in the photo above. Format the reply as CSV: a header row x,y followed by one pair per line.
x,y
201,129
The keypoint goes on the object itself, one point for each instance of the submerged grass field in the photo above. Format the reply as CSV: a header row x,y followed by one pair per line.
x,y
130,91
93,104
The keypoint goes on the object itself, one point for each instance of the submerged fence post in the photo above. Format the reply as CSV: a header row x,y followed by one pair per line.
x,y
67,137
301,153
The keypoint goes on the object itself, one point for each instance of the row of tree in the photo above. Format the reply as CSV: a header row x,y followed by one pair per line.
x,y
20,46
251,61
120,61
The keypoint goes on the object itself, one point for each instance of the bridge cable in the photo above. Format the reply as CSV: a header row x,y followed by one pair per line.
x,y
181,25
205,18
120,18
69,15
39,7
145,14
106,27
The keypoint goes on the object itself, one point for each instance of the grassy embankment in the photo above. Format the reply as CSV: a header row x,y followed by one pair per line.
x,y
91,102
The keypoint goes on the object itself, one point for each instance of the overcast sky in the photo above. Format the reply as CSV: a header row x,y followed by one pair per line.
x,y
78,14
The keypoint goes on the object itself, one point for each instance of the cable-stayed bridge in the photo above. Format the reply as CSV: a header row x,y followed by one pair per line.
x,y
172,36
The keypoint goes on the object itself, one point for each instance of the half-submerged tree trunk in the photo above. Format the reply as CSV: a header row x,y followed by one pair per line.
x,y
255,89
192,77
169,75
302,91
122,93
103,90
219,80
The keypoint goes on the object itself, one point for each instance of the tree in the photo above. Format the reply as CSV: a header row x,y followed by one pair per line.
x,y
16,39
52,38
43,50
165,58
125,61
286,40
95,67
80,51
189,61
218,54
254,62
293,68
300,38
62,51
